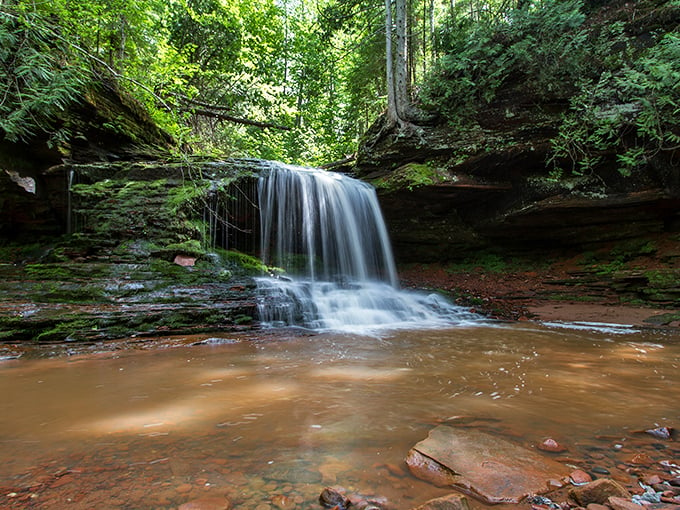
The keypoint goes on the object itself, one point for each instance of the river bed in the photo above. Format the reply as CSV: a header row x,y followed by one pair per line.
x,y
269,423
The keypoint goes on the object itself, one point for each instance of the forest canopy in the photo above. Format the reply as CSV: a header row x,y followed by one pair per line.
x,y
302,81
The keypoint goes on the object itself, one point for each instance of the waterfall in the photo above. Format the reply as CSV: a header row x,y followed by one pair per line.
x,y
326,231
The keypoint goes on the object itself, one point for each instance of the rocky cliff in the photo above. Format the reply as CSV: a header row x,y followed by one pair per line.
x,y
486,179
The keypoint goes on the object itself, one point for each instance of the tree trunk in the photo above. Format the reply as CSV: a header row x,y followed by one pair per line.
x,y
392,113
401,63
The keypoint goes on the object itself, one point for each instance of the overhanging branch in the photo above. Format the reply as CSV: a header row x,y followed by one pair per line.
x,y
230,118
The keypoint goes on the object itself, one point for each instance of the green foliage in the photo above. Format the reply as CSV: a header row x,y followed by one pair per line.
x,y
630,111
540,49
38,76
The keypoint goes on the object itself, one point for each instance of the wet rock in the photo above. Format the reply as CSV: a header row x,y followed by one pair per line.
x,y
331,498
481,465
450,502
597,506
207,503
430,470
580,477
550,445
598,491
661,432
283,502
617,503
640,459
600,470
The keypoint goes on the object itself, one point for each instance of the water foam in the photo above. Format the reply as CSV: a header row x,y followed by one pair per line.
x,y
327,232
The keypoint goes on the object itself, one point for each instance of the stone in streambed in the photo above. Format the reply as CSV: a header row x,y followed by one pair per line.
x,y
598,492
207,503
661,432
483,466
580,477
450,502
616,503
550,445
331,498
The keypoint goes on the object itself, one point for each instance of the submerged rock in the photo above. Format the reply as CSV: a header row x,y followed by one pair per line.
x,y
483,466
333,498
207,503
450,502
598,491
550,445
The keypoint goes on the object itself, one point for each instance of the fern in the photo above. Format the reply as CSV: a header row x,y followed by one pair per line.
x,y
39,76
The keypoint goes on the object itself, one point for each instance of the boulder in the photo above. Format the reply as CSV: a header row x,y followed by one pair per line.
x,y
484,466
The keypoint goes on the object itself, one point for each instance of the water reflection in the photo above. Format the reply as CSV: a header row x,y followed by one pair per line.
x,y
250,420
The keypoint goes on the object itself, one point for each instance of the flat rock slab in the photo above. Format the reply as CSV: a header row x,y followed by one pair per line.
x,y
483,466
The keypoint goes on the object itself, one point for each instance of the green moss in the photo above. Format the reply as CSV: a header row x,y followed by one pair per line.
x,y
68,329
48,272
251,265
191,247
412,176
664,278
493,263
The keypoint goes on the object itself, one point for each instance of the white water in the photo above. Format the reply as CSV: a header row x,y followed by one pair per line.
x,y
327,232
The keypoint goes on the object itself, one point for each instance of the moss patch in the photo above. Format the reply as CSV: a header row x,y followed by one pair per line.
x,y
412,176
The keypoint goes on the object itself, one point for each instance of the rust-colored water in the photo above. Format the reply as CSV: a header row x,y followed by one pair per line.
x,y
272,423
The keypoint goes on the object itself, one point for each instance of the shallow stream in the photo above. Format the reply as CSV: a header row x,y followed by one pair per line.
x,y
269,424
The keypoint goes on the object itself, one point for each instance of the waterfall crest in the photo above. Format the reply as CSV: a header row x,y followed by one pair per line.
x,y
327,232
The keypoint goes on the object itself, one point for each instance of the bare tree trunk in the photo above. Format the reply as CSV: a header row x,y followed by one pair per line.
x,y
401,63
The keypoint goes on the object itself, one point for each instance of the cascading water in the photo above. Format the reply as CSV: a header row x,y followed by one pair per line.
x,y
327,232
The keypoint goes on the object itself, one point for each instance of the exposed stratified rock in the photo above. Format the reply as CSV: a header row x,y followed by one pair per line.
x,y
598,491
486,179
483,466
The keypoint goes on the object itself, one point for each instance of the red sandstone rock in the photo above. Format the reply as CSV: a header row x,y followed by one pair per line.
x,y
282,502
481,465
450,502
184,260
550,445
207,503
598,491
580,477
622,504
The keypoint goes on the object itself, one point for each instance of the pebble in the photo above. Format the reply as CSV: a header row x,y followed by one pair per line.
x,y
282,502
661,432
640,459
210,503
580,477
597,506
617,503
550,445
600,470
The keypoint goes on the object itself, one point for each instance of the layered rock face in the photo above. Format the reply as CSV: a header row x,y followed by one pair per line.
x,y
451,187
445,194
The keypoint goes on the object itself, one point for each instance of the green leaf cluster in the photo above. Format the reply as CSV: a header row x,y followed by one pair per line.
x,y
538,49
632,111
619,90
37,82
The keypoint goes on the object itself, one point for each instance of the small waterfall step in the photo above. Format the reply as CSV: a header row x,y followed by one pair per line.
x,y
326,231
